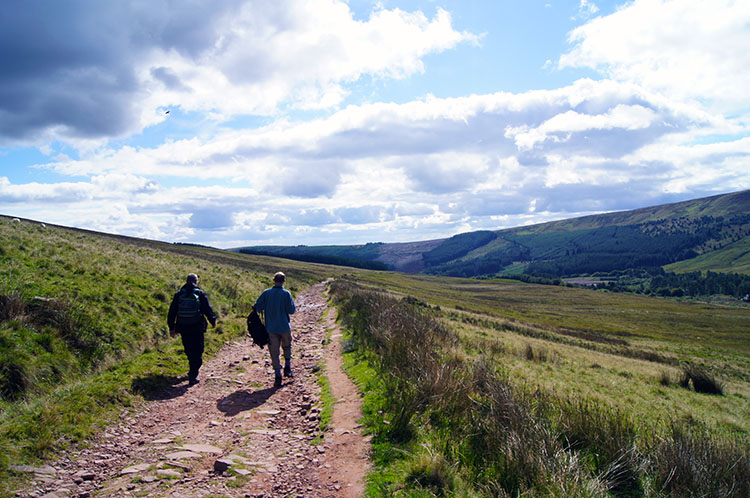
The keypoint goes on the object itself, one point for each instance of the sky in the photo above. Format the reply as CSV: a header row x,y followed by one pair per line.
x,y
255,122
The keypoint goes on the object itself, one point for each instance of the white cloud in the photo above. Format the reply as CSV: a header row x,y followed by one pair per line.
x,y
560,127
587,9
116,69
682,48
423,169
295,52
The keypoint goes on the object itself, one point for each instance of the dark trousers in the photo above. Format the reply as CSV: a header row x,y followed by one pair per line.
x,y
193,343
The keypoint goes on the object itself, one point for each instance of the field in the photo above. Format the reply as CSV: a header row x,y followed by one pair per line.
x,y
615,357
596,387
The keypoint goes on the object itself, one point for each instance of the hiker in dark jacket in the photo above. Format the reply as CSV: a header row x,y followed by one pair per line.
x,y
187,316
277,303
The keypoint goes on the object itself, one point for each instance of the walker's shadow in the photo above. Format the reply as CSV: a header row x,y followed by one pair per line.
x,y
157,387
243,400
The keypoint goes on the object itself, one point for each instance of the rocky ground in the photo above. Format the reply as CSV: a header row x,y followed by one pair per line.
x,y
233,434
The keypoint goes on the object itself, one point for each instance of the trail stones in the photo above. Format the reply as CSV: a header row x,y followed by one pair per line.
x,y
45,470
85,475
269,412
181,455
179,465
221,465
265,432
201,448
168,473
134,469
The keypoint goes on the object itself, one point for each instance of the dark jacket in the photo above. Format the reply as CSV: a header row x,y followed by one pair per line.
x,y
257,330
206,312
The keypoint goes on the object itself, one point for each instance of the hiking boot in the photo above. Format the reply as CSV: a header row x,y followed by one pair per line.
x,y
288,372
277,381
193,381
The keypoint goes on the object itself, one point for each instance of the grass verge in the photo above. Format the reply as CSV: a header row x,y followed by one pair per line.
x,y
445,423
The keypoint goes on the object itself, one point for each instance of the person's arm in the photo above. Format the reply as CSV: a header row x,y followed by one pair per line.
x,y
172,316
206,309
260,303
290,308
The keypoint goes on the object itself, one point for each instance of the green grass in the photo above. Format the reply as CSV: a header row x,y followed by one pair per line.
x,y
97,341
734,258
327,400
569,381
70,365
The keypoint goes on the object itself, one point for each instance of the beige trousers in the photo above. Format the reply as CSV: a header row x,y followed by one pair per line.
x,y
278,341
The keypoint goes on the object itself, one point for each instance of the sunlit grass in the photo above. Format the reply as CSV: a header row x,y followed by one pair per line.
x,y
97,341
590,385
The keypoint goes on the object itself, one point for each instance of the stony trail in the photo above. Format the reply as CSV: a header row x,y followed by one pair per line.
x,y
233,434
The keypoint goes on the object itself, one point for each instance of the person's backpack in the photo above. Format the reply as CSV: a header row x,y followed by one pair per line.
x,y
189,306
257,330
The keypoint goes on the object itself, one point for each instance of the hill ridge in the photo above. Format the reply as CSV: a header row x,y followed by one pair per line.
x,y
653,236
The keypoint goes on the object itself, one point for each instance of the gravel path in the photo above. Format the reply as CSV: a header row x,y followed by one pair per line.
x,y
233,434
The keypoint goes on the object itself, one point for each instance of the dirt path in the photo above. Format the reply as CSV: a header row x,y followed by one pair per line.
x,y
233,434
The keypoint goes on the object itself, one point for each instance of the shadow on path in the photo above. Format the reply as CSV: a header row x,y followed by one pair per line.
x,y
243,400
157,387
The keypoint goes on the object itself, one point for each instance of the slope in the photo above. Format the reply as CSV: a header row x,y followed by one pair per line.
x,y
83,325
642,238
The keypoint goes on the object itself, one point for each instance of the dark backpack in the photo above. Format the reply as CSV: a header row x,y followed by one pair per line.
x,y
189,306
257,330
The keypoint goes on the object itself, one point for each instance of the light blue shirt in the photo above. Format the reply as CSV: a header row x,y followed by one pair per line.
x,y
277,303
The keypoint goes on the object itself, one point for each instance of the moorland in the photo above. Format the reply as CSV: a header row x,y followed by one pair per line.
x,y
472,387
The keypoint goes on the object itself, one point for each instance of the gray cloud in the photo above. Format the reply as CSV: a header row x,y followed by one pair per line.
x,y
314,217
211,218
71,64
169,78
309,181
360,215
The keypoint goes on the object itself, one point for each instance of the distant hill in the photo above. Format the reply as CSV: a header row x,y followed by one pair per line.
x,y
702,234
734,258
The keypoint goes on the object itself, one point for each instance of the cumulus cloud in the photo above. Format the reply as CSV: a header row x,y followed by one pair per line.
x,y
432,166
685,48
561,127
89,69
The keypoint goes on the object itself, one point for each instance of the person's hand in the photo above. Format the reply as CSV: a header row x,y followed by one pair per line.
x,y
172,333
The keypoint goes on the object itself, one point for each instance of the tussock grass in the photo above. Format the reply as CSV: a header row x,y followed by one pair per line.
x,y
702,381
430,471
697,464
494,436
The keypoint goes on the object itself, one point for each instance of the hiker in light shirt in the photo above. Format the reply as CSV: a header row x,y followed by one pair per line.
x,y
277,304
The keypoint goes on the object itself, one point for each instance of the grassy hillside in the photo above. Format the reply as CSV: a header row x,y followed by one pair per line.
x,y
642,238
362,256
83,326
734,258
501,388
699,234
595,379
